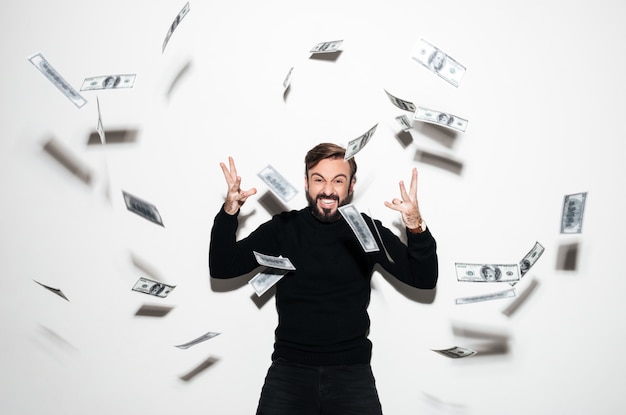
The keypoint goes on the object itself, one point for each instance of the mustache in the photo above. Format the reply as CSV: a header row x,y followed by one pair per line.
x,y
325,196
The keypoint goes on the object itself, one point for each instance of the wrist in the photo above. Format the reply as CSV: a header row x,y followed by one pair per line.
x,y
421,226
231,210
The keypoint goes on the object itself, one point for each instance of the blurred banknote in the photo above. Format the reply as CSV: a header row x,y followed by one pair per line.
x,y
400,103
155,288
326,47
175,24
54,290
57,80
287,80
99,126
440,118
404,122
108,82
573,209
359,227
487,272
277,183
274,261
356,145
200,339
456,352
142,208
264,280
438,62
531,257
486,297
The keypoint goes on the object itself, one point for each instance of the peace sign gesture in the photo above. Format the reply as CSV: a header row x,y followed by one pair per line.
x,y
408,204
235,197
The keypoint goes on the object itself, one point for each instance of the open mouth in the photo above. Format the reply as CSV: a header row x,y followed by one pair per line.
x,y
327,201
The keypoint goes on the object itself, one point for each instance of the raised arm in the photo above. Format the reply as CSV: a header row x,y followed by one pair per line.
x,y
417,263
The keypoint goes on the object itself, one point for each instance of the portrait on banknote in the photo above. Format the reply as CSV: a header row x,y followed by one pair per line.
x,y
524,266
490,273
437,60
446,119
111,82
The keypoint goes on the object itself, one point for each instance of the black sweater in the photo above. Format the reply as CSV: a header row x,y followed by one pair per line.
x,y
322,305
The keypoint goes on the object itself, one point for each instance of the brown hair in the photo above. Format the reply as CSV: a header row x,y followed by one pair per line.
x,y
327,151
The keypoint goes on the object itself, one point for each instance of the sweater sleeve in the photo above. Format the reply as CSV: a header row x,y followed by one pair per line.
x,y
230,258
416,263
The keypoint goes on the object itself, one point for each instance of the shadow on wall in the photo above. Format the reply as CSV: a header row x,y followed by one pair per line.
x,y
414,294
121,136
567,257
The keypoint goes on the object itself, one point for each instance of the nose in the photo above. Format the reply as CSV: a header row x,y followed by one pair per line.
x,y
328,188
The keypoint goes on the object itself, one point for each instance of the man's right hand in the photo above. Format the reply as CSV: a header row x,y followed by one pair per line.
x,y
235,197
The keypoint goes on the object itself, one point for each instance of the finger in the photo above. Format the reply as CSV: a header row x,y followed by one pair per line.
x,y
233,169
236,185
403,193
246,194
227,175
395,204
414,183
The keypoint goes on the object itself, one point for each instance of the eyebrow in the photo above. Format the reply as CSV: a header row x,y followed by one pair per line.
x,y
339,175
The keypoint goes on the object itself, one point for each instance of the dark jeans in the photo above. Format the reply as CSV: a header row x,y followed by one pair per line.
x,y
296,389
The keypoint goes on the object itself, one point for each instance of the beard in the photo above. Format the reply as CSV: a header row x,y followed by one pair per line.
x,y
326,215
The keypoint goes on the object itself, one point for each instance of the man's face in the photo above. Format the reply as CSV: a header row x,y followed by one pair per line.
x,y
328,186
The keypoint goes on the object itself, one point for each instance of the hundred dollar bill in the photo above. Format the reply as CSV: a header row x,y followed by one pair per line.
x,y
531,257
380,238
287,80
456,352
400,103
486,297
356,145
438,62
155,288
200,339
273,261
142,208
264,280
277,183
175,24
359,227
573,209
326,47
440,118
53,76
54,290
404,122
108,82
487,272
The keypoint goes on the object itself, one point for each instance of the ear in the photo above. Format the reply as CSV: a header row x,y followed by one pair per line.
x,y
351,189
306,183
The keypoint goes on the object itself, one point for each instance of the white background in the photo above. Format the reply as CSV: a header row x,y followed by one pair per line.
x,y
544,96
